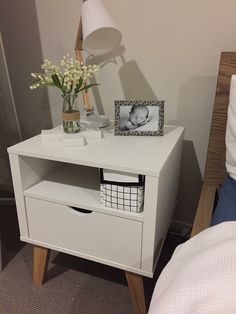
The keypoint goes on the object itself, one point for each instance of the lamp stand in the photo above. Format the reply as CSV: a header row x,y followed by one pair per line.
x,y
79,57
100,121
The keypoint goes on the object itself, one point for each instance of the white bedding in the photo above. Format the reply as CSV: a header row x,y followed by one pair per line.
x,y
201,275
230,138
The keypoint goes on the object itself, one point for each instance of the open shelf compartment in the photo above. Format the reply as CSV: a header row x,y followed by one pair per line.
x,y
75,185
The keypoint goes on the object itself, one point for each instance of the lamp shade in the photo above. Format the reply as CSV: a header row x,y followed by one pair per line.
x,y
100,35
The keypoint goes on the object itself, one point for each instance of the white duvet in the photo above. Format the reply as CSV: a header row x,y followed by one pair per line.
x,y
201,275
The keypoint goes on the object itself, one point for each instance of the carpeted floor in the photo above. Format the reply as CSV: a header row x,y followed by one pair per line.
x,y
73,285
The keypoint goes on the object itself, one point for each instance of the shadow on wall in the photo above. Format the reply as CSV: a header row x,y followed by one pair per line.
x,y
198,92
189,185
134,84
20,33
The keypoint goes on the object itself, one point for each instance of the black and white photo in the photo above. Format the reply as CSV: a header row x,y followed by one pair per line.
x,y
138,117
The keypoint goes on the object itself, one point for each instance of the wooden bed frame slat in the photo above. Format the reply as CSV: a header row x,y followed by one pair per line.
x,y
215,171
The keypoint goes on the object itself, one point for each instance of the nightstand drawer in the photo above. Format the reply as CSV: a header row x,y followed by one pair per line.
x,y
87,232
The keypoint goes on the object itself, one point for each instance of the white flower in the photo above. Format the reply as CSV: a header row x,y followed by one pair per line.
x,y
69,73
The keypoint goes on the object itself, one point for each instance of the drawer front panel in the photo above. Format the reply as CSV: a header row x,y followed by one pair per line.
x,y
104,236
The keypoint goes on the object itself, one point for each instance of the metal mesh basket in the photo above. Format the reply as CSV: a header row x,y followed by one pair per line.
x,y
126,196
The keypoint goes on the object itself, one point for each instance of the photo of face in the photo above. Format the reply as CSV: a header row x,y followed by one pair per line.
x,y
138,115
134,117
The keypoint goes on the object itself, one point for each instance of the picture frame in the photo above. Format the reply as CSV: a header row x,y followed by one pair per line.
x,y
139,117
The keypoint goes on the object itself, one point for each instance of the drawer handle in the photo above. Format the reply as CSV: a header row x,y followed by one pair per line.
x,y
81,210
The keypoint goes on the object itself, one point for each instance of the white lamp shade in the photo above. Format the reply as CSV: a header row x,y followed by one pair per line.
x,y
100,35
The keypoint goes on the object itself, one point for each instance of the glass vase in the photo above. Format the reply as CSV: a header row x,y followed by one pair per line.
x,y
70,114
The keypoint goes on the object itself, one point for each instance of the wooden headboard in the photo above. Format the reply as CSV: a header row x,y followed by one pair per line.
x,y
215,163
215,170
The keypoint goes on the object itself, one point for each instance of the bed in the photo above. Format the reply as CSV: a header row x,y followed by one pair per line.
x,y
201,275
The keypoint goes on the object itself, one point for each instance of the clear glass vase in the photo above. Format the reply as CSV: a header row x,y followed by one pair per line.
x,y
70,114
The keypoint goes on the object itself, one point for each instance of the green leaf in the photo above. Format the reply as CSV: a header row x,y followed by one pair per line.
x,y
87,87
78,86
56,81
43,85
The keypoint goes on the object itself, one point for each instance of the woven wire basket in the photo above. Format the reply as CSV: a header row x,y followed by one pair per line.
x,y
128,196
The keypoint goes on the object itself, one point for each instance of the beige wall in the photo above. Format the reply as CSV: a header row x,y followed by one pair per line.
x,y
170,50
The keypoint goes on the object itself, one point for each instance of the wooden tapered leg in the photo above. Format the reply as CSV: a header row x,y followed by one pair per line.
x,y
41,258
136,290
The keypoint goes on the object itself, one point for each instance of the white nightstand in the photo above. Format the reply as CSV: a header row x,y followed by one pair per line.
x,y
52,184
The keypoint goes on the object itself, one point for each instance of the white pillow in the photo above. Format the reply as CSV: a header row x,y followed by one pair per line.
x,y
230,138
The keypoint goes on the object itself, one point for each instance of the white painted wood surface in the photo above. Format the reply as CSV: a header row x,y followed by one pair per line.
x,y
87,256
50,178
19,194
136,154
76,185
159,207
149,226
104,236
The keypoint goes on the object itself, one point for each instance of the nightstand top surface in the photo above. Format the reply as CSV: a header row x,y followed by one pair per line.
x,y
135,154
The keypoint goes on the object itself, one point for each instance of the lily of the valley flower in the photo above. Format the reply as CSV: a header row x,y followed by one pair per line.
x,y
70,77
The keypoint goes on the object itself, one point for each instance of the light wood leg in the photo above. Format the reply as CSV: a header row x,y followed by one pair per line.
x,y
136,290
41,258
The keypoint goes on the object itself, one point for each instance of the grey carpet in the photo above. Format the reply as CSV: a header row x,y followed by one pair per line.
x,y
65,291
73,285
